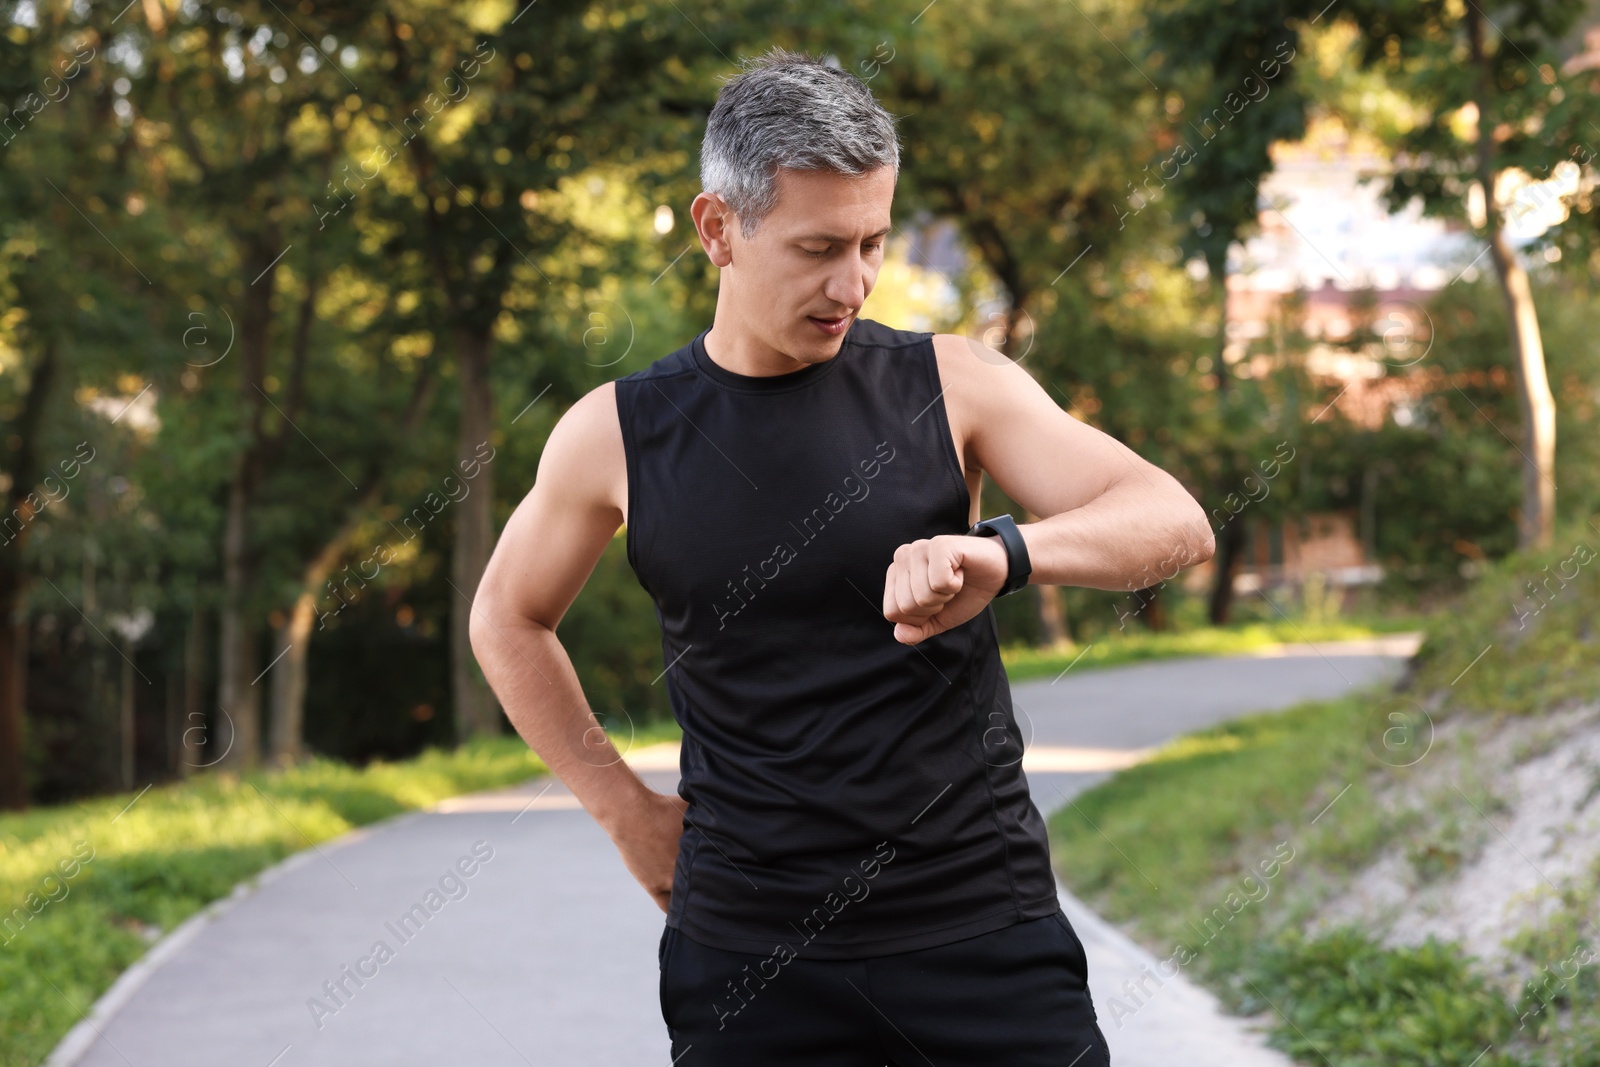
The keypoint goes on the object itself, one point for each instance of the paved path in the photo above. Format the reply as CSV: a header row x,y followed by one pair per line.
x,y
546,953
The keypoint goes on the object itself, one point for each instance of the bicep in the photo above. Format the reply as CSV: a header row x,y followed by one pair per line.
x,y
1040,455
556,535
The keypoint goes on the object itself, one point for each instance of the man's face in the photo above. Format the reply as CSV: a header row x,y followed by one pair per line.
x,y
801,280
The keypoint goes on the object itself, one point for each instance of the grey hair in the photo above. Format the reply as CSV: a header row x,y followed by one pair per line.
x,y
789,109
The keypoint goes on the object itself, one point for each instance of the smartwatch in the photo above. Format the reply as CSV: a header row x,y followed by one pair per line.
x,y
1018,566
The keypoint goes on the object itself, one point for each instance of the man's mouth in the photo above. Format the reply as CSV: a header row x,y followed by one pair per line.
x,y
832,327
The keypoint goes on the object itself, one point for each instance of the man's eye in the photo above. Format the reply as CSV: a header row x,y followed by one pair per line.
x,y
871,248
818,254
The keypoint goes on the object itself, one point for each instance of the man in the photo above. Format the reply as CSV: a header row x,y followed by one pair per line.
x,y
853,872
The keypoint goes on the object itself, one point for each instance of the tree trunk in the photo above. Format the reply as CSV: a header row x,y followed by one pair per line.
x,y
290,669
172,735
291,649
1231,543
194,688
291,673
1052,616
13,688
126,726
1536,521
1230,548
237,654
1155,609
238,731
475,709
23,471
1220,372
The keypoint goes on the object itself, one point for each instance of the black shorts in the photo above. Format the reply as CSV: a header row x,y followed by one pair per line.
x,y
1018,996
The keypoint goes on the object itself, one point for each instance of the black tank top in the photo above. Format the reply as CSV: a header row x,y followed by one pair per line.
x,y
849,796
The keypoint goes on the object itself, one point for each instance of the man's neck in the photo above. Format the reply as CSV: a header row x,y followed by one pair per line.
x,y
739,351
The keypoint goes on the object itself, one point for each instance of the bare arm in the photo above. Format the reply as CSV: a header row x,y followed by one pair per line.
x,y
1113,519
544,556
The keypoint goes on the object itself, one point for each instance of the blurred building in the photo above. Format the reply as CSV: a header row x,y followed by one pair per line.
x,y
1333,265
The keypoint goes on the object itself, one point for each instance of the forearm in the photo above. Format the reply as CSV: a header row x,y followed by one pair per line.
x,y
533,676
1141,531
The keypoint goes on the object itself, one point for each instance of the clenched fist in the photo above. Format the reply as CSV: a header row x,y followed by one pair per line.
x,y
940,583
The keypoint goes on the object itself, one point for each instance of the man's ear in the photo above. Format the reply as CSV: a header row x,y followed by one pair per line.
x,y
713,219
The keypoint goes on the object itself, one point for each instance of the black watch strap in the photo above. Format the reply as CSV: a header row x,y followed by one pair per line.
x,y
1019,567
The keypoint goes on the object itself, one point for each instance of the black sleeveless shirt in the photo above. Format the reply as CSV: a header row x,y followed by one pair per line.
x,y
849,796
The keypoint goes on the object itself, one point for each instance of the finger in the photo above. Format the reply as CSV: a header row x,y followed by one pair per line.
x,y
905,597
936,579
905,600
929,600
912,602
891,580
891,592
943,577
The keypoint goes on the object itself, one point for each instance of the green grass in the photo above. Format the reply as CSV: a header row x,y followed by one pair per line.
x,y
1528,639
1352,1002
1164,842
1207,853
1024,663
117,866
1187,850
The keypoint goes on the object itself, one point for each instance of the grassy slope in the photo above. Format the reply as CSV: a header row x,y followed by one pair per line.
x,y
1176,848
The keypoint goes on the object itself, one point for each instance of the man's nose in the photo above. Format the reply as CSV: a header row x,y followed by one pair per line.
x,y
847,285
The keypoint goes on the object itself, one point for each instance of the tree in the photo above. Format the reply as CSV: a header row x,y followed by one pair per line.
x,y
252,168
1236,57
1498,109
55,273
556,89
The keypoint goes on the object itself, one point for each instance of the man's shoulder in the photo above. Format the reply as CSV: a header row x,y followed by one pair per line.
x,y
591,421
973,360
